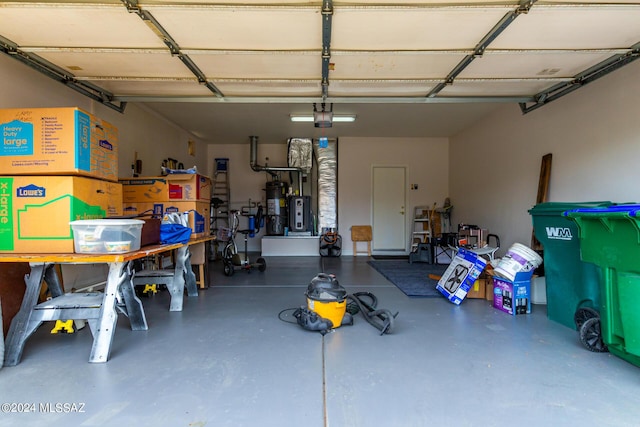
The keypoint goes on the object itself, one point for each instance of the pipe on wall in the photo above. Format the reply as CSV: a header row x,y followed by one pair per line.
x,y
253,162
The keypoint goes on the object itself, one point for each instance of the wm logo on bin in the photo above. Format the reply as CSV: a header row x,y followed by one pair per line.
x,y
559,233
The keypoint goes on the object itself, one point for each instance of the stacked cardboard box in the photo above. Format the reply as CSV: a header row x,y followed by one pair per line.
x,y
58,141
61,164
170,194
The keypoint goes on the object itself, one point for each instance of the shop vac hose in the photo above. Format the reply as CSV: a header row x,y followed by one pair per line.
x,y
382,319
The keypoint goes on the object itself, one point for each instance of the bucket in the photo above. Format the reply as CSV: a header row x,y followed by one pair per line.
x,y
518,259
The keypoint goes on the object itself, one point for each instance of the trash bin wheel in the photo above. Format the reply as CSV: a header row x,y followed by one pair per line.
x,y
583,314
591,335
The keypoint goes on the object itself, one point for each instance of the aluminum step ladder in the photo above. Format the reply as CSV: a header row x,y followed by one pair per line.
x,y
421,248
220,199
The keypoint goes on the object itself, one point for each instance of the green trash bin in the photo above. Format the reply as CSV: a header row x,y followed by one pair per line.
x,y
610,238
571,283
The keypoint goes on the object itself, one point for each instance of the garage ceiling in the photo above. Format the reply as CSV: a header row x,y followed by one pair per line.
x,y
224,71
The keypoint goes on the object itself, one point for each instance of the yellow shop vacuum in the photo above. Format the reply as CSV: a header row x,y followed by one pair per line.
x,y
329,307
326,305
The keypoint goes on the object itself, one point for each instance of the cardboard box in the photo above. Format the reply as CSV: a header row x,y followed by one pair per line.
x,y
459,277
513,297
35,211
488,289
57,141
175,187
199,213
478,289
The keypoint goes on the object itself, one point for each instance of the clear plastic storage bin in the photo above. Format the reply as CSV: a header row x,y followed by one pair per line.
x,y
106,236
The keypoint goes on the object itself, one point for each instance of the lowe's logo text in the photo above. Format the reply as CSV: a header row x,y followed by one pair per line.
x,y
559,233
31,191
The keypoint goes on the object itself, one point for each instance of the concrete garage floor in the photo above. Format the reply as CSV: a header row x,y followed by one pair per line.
x,y
227,360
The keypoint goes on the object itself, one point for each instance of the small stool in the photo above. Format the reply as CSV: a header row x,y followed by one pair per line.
x,y
361,233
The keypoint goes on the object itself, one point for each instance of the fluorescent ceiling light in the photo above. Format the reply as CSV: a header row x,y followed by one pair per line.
x,y
344,118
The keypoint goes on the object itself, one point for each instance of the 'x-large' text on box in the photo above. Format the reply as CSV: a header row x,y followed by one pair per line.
x,y
35,211
57,141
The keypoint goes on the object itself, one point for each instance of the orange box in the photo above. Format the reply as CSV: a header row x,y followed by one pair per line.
x,y
35,211
199,213
175,187
57,141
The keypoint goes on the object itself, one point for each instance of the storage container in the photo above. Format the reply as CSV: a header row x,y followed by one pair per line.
x,y
106,236
571,284
610,238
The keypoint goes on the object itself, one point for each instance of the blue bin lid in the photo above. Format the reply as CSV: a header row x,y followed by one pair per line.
x,y
557,208
631,209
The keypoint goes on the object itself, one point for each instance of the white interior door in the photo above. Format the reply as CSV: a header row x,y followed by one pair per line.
x,y
389,208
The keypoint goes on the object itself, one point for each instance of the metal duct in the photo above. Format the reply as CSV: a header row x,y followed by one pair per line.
x,y
327,185
301,153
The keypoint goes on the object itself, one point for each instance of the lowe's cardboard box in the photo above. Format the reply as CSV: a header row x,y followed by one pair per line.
x,y
513,296
57,141
460,276
199,213
176,187
35,211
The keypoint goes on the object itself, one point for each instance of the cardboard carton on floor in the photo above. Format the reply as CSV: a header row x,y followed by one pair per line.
x,y
488,289
478,289
169,188
57,141
513,296
35,211
199,213
459,277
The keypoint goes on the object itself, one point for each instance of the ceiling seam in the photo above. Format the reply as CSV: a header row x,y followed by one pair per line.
x,y
333,99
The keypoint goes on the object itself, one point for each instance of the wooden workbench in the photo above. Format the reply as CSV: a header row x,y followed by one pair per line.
x,y
99,309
